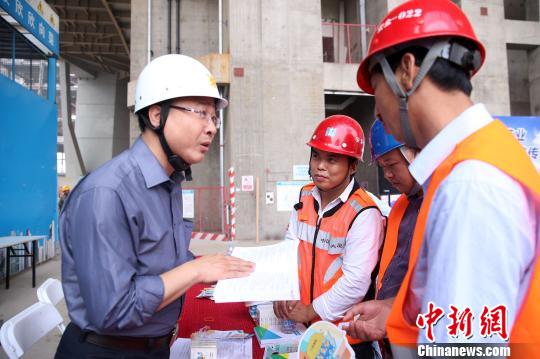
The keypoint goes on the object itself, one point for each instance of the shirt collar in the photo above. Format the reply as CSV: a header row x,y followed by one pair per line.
x,y
152,171
442,145
342,197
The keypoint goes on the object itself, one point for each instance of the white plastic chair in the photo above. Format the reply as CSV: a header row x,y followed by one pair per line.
x,y
26,328
51,292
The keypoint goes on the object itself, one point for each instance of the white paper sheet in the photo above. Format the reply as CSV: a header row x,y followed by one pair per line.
x,y
275,276
181,349
235,349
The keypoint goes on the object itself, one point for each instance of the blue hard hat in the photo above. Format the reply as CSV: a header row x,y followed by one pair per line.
x,y
381,142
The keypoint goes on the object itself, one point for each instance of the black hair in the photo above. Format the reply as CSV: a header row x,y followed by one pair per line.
x,y
143,117
352,161
445,75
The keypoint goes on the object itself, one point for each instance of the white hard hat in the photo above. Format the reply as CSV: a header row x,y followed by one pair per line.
x,y
172,76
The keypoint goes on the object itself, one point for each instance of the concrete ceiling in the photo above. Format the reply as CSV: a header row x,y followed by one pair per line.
x,y
95,34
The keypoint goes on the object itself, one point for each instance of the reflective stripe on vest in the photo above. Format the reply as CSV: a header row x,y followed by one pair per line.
x,y
391,239
484,145
329,234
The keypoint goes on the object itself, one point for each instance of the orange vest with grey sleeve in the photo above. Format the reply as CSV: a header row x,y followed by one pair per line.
x,y
391,239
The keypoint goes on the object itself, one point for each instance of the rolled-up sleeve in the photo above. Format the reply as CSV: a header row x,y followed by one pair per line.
x,y
103,249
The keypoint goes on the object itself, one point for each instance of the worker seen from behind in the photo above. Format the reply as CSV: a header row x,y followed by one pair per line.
x,y
474,275
339,227
63,194
394,159
125,258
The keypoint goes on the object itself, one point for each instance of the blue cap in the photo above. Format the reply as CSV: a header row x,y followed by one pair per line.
x,y
381,142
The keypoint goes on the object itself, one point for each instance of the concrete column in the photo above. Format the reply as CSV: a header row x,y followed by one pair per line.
x,y
74,162
534,81
276,104
375,11
102,120
490,84
198,35
138,53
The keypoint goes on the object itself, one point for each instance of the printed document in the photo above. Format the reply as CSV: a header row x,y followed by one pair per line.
x,y
275,276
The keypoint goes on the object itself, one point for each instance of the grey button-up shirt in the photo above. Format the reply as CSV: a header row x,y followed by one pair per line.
x,y
397,268
120,228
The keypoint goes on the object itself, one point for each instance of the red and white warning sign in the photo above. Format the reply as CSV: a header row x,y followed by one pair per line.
x,y
247,184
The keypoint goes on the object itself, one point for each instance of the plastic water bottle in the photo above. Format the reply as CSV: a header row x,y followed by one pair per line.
x,y
288,326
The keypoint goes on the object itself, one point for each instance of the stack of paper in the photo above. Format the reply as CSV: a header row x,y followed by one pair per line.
x,y
265,316
275,276
214,344
280,351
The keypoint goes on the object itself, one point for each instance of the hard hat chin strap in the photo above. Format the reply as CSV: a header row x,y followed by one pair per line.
x,y
177,162
427,63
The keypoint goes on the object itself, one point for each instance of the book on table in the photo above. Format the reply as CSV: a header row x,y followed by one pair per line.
x,y
273,334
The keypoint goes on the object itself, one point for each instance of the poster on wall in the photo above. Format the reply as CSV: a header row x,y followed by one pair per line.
x,y
188,203
287,194
527,131
301,173
247,184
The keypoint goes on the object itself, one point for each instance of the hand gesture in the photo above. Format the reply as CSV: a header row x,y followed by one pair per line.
x,y
215,267
284,307
371,324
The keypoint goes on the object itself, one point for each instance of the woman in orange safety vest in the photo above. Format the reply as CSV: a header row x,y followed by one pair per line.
x,y
340,230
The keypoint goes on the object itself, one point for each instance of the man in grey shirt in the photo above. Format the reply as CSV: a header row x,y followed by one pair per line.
x,y
125,257
394,158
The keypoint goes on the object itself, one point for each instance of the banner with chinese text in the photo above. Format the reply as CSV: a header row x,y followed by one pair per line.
x,y
527,131
38,18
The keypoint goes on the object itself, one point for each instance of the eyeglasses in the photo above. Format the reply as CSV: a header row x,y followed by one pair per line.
x,y
202,114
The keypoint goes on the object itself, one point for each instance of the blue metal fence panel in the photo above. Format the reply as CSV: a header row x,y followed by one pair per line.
x,y
28,182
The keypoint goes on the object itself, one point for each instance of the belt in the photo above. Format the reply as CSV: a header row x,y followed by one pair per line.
x,y
121,342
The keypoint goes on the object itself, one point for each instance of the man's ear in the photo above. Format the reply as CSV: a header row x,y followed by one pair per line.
x,y
407,71
353,166
154,113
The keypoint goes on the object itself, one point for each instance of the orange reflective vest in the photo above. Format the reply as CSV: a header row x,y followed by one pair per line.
x,y
322,241
391,238
492,144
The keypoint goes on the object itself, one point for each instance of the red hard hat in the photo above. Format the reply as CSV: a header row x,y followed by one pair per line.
x,y
339,134
414,20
